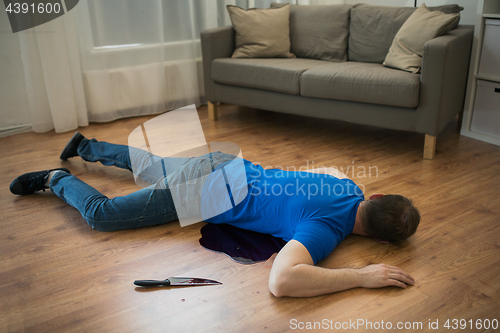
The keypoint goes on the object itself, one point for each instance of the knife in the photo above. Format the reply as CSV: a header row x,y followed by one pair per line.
x,y
176,281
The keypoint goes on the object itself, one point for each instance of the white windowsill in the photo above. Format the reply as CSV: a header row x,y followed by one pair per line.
x,y
139,46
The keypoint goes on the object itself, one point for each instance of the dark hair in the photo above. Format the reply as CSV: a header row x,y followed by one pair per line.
x,y
390,218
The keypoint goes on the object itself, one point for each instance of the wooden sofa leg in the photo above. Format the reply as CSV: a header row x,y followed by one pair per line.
x,y
429,147
212,111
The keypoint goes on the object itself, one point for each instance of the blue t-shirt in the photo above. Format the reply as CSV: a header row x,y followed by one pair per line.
x,y
317,210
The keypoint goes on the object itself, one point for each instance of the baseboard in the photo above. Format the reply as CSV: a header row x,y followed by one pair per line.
x,y
8,131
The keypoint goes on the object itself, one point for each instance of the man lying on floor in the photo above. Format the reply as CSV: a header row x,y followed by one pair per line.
x,y
277,203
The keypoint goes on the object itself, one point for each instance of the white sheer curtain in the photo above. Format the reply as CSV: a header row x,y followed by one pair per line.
x,y
109,59
141,57
53,76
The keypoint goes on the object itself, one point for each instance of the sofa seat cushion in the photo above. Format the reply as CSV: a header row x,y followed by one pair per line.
x,y
362,82
276,74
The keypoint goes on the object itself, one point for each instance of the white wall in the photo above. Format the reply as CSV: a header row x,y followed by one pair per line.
x,y
14,112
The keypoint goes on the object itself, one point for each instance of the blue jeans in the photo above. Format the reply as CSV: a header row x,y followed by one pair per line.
x,y
152,205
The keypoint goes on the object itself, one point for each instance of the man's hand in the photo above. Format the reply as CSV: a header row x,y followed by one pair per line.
x,y
378,276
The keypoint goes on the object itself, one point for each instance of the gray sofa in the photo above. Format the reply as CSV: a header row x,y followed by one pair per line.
x,y
359,90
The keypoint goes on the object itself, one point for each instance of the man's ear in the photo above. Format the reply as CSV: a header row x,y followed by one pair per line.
x,y
375,196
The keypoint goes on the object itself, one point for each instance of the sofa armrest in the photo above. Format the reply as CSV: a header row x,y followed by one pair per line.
x,y
215,43
443,79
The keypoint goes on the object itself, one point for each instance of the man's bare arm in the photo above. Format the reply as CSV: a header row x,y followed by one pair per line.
x,y
294,274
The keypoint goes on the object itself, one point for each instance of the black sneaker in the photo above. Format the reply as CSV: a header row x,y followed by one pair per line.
x,y
71,147
31,182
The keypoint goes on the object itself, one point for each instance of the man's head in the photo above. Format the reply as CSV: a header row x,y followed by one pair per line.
x,y
389,217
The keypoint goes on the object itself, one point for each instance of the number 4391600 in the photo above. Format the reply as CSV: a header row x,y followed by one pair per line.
x,y
463,324
40,8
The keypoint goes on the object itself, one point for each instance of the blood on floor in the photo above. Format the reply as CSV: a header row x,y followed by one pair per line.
x,y
242,246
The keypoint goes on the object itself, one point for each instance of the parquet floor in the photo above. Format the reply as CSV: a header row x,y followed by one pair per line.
x,y
59,275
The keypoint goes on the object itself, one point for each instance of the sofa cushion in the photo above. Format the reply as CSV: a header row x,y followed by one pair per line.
x,y
423,25
319,32
274,74
261,33
361,82
373,28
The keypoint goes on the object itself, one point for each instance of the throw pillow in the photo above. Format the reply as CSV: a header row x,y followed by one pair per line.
x,y
372,29
423,25
319,32
261,33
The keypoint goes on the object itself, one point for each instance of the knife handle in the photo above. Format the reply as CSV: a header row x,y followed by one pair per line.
x,y
150,283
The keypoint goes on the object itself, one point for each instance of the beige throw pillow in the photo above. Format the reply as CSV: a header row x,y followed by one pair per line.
x,y
261,33
372,29
423,25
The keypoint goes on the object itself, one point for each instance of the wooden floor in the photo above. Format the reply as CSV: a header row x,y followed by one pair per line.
x,y
59,275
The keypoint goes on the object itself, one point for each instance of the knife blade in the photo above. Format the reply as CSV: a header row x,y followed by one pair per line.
x,y
176,281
